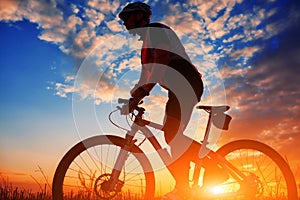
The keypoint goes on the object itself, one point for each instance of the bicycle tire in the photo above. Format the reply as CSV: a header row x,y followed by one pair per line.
x,y
85,155
284,186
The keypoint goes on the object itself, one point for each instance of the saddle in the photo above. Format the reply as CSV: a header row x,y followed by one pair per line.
x,y
218,116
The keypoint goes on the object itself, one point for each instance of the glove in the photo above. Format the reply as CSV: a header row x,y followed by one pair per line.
x,y
133,103
129,107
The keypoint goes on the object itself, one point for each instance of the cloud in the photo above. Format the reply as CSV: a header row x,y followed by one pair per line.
x,y
227,72
91,88
265,97
57,34
9,10
266,92
103,74
114,25
233,38
62,90
75,33
246,53
219,35
231,30
44,13
94,17
104,5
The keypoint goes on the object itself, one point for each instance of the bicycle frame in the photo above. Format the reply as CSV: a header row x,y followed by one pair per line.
x,y
141,125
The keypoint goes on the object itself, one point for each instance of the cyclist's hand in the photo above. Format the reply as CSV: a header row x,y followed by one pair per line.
x,y
133,103
129,107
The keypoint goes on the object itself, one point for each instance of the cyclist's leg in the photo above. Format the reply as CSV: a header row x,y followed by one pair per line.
x,y
179,109
185,149
174,126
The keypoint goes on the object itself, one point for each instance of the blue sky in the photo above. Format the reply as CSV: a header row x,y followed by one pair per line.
x,y
251,48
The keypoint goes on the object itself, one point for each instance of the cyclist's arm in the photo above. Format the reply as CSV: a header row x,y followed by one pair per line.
x,y
144,85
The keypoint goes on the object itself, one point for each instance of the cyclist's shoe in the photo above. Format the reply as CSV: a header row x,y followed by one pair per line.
x,y
214,175
178,194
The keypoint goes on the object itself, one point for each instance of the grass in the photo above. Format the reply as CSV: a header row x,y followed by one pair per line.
x,y
9,192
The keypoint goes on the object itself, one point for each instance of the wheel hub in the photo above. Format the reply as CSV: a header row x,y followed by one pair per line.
x,y
103,188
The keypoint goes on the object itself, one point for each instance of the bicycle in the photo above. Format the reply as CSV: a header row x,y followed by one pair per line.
x,y
114,167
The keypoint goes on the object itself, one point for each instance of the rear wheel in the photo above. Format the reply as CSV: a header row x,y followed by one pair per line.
x,y
85,170
271,176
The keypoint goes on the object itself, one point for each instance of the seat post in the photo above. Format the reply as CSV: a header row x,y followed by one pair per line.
x,y
198,164
207,131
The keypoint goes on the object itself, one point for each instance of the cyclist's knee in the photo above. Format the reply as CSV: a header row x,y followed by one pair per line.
x,y
170,134
171,128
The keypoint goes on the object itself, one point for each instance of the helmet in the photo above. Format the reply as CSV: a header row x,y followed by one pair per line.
x,y
135,7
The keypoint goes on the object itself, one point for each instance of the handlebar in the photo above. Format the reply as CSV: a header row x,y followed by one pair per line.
x,y
123,101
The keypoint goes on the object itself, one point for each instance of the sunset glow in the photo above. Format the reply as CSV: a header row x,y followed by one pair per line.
x,y
64,64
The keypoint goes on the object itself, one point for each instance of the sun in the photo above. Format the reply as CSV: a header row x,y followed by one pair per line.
x,y
217,190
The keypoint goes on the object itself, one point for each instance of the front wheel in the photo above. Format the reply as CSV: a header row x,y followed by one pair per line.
x,y
85,170
271,175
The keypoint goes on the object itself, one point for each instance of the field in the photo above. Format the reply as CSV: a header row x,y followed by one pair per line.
x,y
10,192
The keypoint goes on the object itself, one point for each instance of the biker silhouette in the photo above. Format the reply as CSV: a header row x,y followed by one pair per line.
x,y
165,62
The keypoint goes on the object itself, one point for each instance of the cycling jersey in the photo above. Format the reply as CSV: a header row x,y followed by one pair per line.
x,y
161,46
160,38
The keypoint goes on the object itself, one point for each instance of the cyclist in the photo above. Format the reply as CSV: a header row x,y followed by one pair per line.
x,y
164,61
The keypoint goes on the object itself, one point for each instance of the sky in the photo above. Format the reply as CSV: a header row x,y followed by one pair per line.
x,y
64,63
